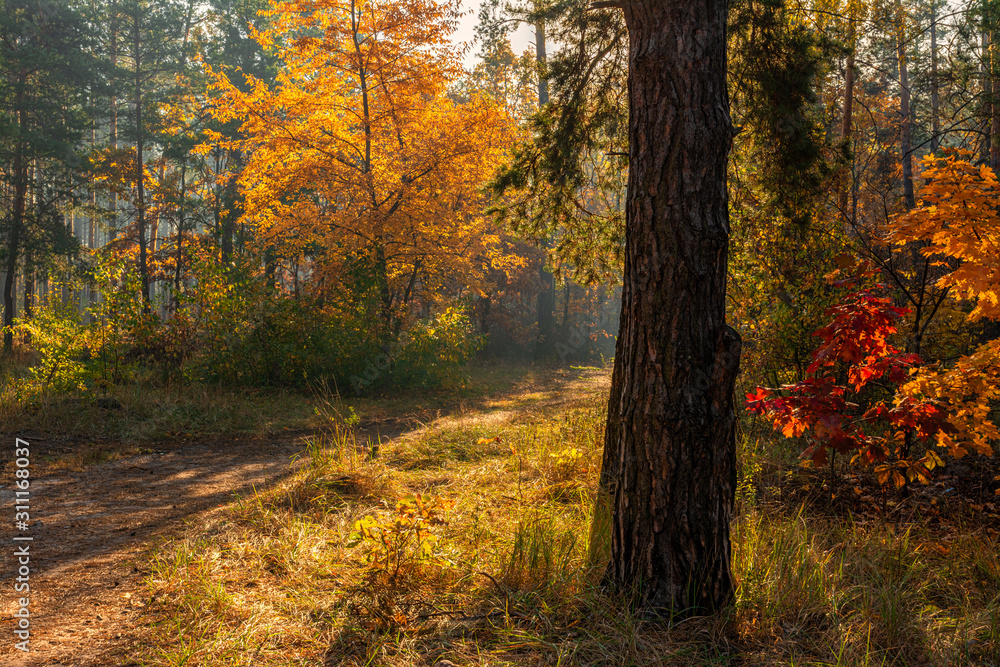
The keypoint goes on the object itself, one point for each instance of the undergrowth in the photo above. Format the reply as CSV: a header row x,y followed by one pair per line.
x,y
470,540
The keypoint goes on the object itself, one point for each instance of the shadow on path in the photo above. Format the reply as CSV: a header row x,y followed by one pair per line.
x,y
89,527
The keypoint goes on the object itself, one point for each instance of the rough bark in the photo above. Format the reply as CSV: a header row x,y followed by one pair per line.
x,y
669,469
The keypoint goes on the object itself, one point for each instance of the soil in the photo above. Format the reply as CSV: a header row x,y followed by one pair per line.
x,y
92,527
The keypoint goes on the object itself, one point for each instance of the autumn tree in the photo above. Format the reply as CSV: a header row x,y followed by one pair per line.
x,y
945,406
225,42
361,167
957,227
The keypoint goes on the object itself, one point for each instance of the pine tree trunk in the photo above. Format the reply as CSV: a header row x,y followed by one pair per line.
x,y
935,97
179,261
547,294
906,143
140,169
669,467
987,95
113,121
994,107
847,208
28,294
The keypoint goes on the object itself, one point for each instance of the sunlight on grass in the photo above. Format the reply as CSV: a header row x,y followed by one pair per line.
x,y
510,574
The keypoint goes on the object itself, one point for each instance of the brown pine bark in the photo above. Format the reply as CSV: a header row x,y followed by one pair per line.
x,y
669,469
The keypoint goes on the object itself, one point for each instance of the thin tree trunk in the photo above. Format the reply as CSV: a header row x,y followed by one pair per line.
x,y
987,95
230,193
140,168
19,171
113,124
994,106
567,299
541,59
154,227
935,101
29,286
846,132
180,238
92,224
906,143
669,460
547,293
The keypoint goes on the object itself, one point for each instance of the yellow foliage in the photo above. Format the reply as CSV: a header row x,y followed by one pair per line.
x,y
958,226
965,390
359,152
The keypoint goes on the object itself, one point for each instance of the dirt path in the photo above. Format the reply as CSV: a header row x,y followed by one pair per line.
x,y
91,529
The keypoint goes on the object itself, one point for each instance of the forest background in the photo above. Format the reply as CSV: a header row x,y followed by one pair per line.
x,y
254,195
239,198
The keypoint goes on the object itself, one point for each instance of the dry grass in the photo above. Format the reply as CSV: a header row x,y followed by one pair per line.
x,y
513,578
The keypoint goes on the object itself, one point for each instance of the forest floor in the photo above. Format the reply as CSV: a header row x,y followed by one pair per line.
x,y
102,508
262,547
93,527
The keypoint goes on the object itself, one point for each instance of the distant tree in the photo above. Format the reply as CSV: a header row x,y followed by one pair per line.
x,y
149,53
43,82
361,168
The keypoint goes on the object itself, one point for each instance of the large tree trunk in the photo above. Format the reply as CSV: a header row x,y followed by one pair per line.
x,y
669,465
